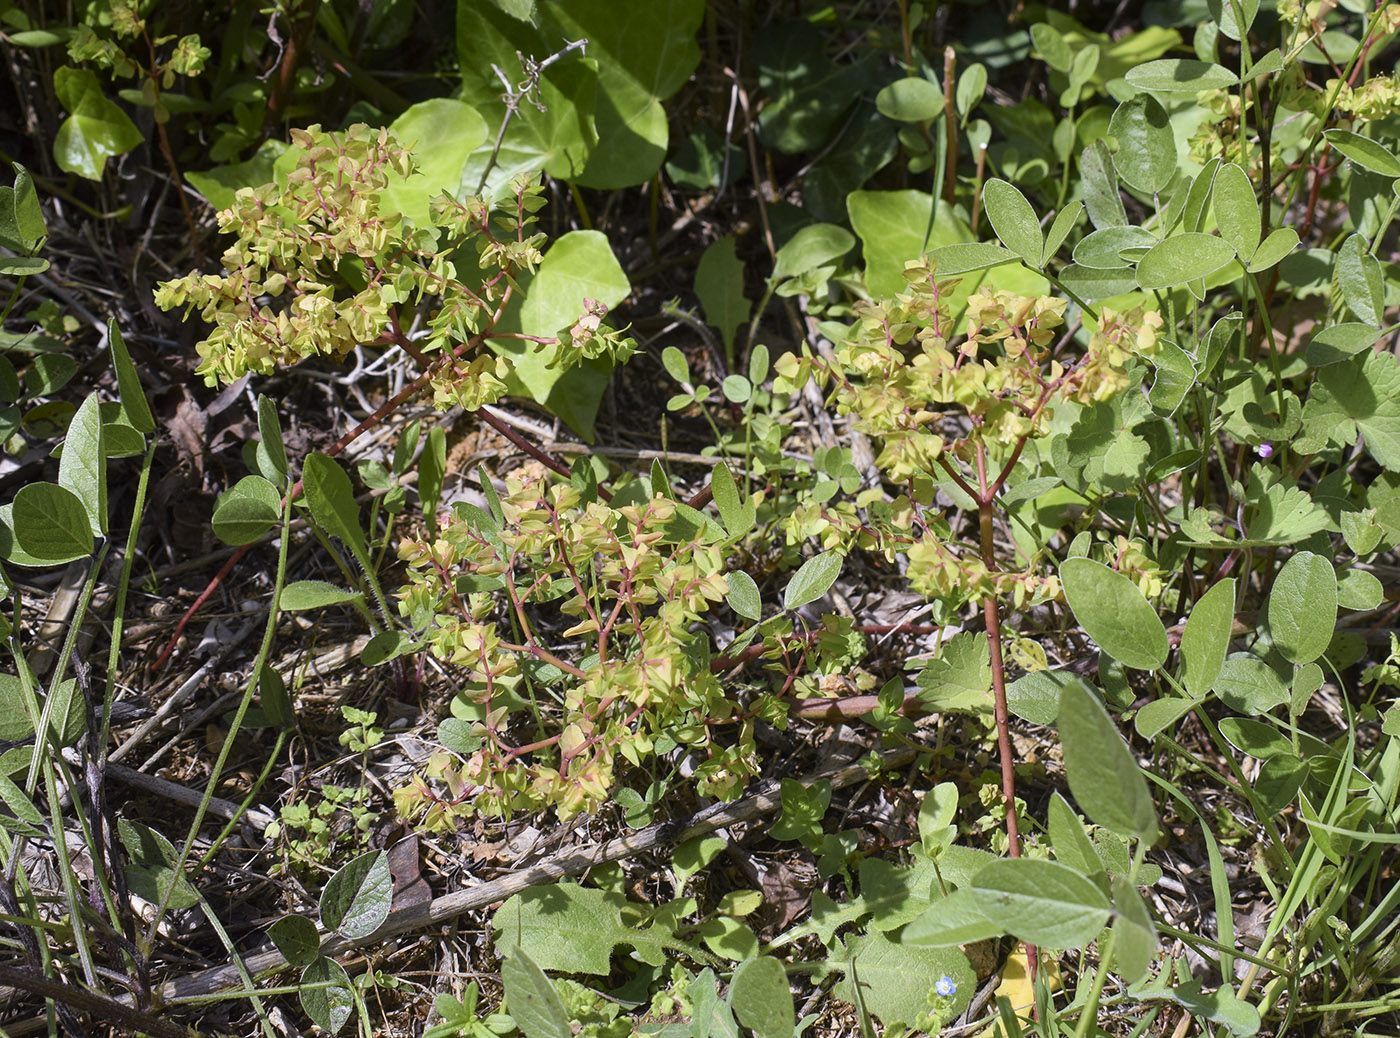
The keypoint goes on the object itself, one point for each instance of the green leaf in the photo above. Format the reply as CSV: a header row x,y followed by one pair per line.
x,y
247,511
326,994
21,220
1340,342
1160,714
910,100
1359,395
315,594
579,265
1042,902
719,285
432,470
1014,221
1255,738
971,88
1101,195
48,373
1113,612
960,678
1072,844
1248,685
1182,258
1364,152
1146,155
442,134
1226,14
743,596
804,807
1059,230
642,60
761,999
1193,212
297,938
83,466
95,130
813,246
1205,642
896,979
1303,607
892,228
736,510
729,939
812,580
1236,210
332,502
1273,250
533,1003
26,819
966,257
566,928
220,185
1102,773
1104,248
1358,589
1092,285
151,873
51,524
1052,46
1180,76
1035,696
133,397
1363,285
1176,374
357,898
1134,936
949,922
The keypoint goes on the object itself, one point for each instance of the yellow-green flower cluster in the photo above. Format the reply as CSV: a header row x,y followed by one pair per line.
x,y
607,598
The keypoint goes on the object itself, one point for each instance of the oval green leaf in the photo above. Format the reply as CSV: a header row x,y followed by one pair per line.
x,y
1206,640
1180,76
1248,685
1114,613
1273,250
51,524
247,511
1236,210
1146,155
1340,342
357,898
743,595
315,594
326,994
1014,220
813,580
1303,607
969,256
1182,258
1102,772
910,100
1364,152
1042,902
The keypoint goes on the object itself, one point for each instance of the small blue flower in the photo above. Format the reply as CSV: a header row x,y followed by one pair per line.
x,y
946,987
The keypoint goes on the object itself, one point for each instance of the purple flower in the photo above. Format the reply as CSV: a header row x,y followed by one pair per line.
x,y
946,987
1265,450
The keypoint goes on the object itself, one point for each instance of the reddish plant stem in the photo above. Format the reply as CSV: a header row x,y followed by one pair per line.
x,y
986,498
950,114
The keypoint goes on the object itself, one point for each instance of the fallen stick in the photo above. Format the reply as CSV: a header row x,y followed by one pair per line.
x,y
224,981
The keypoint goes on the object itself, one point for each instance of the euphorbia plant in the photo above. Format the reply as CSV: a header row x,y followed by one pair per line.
x,y
964,412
